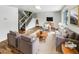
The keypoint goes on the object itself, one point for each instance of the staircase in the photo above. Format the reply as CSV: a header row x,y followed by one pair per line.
x,y
24,18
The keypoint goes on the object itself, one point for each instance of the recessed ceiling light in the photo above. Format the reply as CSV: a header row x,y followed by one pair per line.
x,y
38,7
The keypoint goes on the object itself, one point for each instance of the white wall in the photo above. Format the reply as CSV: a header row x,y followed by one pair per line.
x,y
42,19
8,20
31,24
70,26
56,17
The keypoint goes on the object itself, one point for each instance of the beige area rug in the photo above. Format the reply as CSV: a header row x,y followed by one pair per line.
x,y
5,49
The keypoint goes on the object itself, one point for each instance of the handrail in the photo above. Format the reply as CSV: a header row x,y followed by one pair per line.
x,y
26,20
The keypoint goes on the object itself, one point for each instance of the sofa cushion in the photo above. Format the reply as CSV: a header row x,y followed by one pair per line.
x,y
26,38
73,35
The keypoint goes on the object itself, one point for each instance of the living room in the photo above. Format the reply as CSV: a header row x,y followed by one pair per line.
x,y
38,29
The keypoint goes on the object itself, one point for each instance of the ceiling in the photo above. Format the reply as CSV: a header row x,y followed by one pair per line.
x,y
44,8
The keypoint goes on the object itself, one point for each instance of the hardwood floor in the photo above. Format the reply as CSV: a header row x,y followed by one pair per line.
x,y
5,49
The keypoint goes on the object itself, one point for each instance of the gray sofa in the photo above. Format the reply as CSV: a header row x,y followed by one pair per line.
x,y
24,44
20,42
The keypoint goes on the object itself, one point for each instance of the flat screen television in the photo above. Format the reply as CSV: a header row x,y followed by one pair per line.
x,y
49,19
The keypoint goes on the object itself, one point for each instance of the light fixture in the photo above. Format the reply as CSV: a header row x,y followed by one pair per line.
x,y
38,7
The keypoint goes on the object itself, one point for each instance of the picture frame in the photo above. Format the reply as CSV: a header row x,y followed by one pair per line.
x,y
74,16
